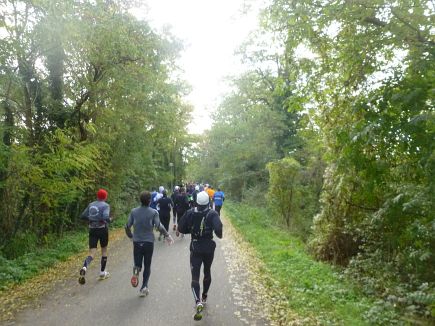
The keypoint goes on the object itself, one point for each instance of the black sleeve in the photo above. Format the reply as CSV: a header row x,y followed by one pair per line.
x,y
217,225
185,222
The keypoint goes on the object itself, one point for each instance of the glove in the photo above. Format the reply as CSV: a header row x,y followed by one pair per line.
x,y
169,240
128,232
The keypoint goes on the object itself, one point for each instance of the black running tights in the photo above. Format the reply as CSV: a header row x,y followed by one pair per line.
x,y
142,253
196,260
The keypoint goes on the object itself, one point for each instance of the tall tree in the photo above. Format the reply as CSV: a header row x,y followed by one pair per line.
x,y
89,100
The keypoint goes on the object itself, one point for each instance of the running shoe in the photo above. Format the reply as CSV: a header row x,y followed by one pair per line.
x,y
104,275
134,279
82,279
143,292
199,309
204,299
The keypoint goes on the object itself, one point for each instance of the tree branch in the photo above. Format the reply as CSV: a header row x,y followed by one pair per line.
x,y
420,37
377,22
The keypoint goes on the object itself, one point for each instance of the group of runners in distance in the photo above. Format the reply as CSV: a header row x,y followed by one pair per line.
x,y
195,210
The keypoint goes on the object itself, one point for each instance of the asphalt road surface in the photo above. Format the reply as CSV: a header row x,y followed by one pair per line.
x,y
170,302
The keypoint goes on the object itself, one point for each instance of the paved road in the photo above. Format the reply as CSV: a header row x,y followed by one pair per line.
x,y
115,302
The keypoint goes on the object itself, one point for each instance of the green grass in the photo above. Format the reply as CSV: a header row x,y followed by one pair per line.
x,y
39,258
313,289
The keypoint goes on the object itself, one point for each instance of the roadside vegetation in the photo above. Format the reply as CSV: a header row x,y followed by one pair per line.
x,y
89,99
38,259
331,127
317,292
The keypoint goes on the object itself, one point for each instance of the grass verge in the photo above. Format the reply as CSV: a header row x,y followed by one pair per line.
x,y
17,270
311,289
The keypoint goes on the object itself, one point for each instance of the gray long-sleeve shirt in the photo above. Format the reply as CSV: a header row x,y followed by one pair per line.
x,y
98,214
144,219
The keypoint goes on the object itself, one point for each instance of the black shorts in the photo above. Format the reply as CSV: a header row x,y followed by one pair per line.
x,y
95,235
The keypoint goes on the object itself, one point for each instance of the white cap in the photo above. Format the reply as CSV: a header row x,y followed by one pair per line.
x,y
177,188
202,198
161,188
197,187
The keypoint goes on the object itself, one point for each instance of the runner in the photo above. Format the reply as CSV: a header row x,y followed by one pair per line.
x,y
194,194
201,222
98,215
190,199
210,191
165,205
144,219
181,204
153,203
159,195
174,211
218,199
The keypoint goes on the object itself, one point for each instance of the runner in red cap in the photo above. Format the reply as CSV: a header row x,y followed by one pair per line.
x,y
98,216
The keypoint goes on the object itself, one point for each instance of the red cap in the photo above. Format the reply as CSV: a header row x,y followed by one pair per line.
x,y
102,194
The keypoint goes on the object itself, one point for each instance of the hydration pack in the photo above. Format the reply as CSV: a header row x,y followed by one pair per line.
x,y
199,228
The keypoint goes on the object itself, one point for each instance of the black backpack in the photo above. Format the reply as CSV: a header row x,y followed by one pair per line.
x,y
200,229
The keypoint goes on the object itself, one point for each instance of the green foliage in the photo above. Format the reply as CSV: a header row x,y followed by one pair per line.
x,y
36,258
344,87
284,193
312,289
294,189
247,133
20,244
369,83
88,99
256,196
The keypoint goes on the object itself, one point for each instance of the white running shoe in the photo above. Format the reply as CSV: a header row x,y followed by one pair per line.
x,y
144,292
104,275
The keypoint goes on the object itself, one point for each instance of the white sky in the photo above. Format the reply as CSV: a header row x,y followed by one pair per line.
x,y
211,31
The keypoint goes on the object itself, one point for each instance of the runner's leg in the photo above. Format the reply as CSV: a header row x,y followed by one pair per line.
x,y
208,260
148,254
195,268
174,219
104,241
165,221
93,241
138,259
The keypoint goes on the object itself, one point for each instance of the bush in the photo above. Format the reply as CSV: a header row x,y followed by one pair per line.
x,y
294,191
255,196
36,258
284,189
20,244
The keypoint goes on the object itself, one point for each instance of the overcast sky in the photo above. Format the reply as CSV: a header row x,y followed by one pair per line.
x,y
211,30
